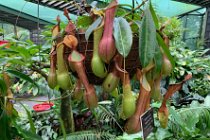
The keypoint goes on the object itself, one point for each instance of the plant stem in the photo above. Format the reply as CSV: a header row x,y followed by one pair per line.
x,y
66,112
143,2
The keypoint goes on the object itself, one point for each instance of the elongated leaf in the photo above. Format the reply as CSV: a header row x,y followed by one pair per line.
x,y
84,21
138,23
92,27
123,36
23,52
177,118
158,59
62,124
3,87
27,135
8,51
147,39
165,49
4,126
154,16
22,76
32,127
93,4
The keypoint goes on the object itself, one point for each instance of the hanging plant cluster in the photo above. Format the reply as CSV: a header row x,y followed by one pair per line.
x,y
108,54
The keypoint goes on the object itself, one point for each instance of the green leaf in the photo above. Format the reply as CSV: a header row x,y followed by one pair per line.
x,y
16,61
162,134
147,39
154,16
32,127
92,27
62,124
125,136
22,51
4,126
123,36
207,101
27,135
3,87
89,135
8,51
190,121
22,76
158,59
84,21
178,120
165,49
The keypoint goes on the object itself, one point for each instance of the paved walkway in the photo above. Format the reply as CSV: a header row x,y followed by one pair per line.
x,y
28,104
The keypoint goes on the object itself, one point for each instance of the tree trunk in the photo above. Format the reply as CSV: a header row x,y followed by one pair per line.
x,y
66,112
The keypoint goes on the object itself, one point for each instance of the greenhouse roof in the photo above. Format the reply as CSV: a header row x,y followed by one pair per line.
x,y
24,10
204,3
47,14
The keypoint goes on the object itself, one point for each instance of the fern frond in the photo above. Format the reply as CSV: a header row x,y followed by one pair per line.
x,y
189,121
90,135
106,117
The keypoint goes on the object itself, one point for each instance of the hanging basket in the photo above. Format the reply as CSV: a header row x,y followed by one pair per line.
x,y
86,48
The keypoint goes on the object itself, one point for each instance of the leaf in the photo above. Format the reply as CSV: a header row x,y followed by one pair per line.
x,y
147,39
62,124
84,21
123,36
92,27
158,59
23,52
177,118
89,135
162,134
154,16
165,49
207,101
93,4
22,76
3,87
32,127
27,135
5,126
135,136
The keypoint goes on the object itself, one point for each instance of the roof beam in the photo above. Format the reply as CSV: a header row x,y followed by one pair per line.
x,y
20,19
203,3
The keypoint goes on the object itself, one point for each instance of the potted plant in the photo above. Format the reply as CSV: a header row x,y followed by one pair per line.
x,y
113,48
